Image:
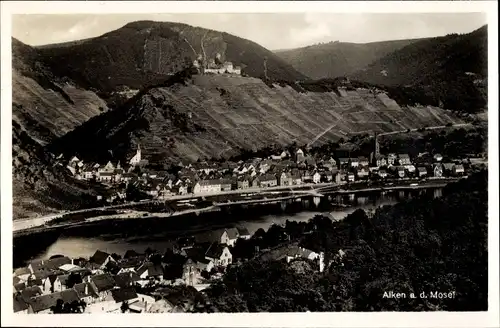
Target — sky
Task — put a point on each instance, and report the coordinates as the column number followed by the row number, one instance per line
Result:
column 273, row 31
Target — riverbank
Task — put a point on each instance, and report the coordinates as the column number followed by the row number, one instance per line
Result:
column 228, row 198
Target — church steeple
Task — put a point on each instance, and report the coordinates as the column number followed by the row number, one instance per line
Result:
column 137, row 157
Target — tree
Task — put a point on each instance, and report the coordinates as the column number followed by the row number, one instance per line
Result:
column 59, row 307
column 73, row 279
column 124, row 307
column 116, row 257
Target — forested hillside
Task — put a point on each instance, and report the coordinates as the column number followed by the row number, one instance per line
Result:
column 334, row 59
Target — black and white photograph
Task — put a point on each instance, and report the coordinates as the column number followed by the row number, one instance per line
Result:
column 193, row 162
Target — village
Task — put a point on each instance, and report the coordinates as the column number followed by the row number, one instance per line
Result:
column 140, row 283
column 280, row 170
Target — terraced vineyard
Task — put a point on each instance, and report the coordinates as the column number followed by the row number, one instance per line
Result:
column 49, row 111
column 212, row 116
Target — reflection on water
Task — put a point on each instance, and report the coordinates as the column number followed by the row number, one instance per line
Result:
column 118, row 236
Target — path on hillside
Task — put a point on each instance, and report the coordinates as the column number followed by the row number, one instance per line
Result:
column 427, row 128
column 392, row 132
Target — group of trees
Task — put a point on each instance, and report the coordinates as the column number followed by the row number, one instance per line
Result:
column 423, row 245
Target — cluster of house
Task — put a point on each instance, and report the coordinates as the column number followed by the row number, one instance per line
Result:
column 39, row 286
column 279, row 170
column 105, row 282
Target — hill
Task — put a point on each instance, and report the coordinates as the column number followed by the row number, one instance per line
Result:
column 334, row 59
column 145, row 53
column 452, row 69
column 193, row 116
column 47, row 106
column 40, row 185
column 44, row 107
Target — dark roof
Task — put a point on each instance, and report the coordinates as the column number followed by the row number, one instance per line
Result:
column 232, row 233
column 243, row 231
column 63, row 279
column 103, row 282
column 20, row 286
column 123, row 294
column 30, row 292
column 209, row 236
column 50, row 264
column 133, row 262
column 99, row 257
column 80, row 290
column 195, row 253
column 126, row 279
column 215, row 251
column 153, row 269
column 45, row 302
column 34, row 282
column 21, row 271
column 131, row 253
column 267, row 177
column 19, row 303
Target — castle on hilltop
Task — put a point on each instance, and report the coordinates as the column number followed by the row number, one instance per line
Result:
column 215, row 66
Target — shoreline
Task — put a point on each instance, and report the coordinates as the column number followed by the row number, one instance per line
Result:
column 323, row 188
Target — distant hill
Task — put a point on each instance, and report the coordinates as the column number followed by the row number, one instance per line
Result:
column 334, row 59
column 145, row 53
column 193, row 116
column 452, row 70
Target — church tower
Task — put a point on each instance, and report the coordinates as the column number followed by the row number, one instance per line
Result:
column 137, row 157
column 377, row 146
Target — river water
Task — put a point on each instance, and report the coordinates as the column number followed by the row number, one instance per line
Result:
column 118, row 236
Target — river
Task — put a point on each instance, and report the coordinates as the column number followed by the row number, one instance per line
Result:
column 118, row 236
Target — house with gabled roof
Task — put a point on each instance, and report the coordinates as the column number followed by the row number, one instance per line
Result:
column 448, row 168
column 421, row 171
column 363, row 161
column 268, row 180
column 44, row 303
column 391, row 159
column 219, row 254
column 121, row 295
column 102, row 284
column 404, row 159
column 285, row 179
column 86, row 292
column 127, row 279
column 243, row 233
column 438, row 170
column 20, row 305
column 150, row 270
column 100, row 259
column 231, row 236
